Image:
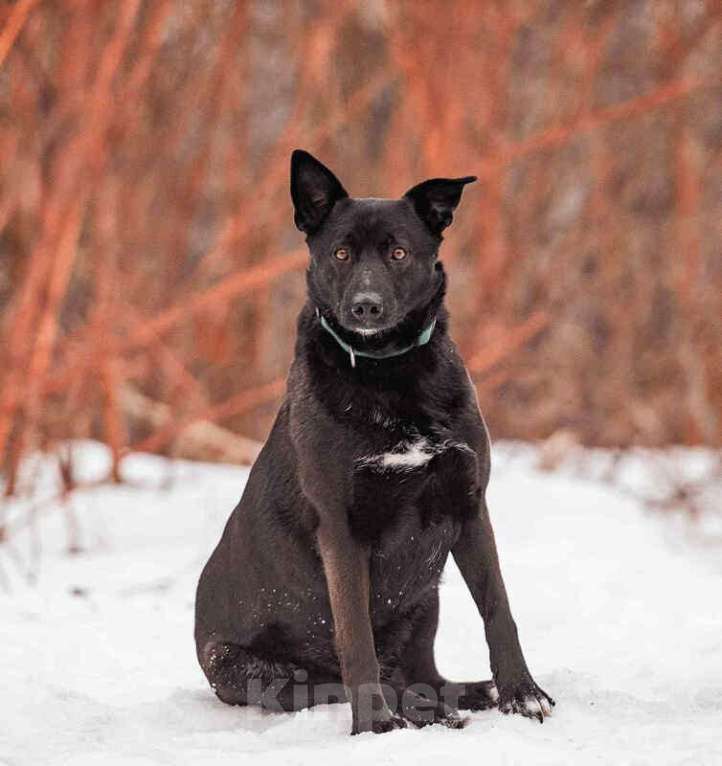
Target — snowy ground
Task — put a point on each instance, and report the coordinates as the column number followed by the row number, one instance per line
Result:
column 619, row 612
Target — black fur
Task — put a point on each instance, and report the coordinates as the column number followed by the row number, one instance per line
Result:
column 374, row 471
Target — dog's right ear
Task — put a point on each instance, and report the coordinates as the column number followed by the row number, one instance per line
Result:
column 435, row 200
column 314, row 191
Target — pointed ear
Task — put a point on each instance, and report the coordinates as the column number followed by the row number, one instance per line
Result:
column 314, row 191
column 435, row 200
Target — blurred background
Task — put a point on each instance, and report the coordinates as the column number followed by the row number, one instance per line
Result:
column 150, row 279
column 150, row 273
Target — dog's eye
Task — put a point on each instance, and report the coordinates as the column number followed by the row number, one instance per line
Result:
column 341, row 254
column 398, row 253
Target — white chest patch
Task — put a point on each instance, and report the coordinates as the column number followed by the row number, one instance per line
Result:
column 410, row 454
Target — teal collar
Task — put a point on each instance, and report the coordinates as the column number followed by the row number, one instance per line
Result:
column 422, row 340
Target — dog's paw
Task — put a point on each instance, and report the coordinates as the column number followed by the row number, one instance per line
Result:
column 423, row 712
column 527, row 699
column 380, row 724
column 388, row 724
column 481, row 695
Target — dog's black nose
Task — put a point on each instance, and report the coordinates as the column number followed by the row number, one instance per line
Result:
column 367, row 306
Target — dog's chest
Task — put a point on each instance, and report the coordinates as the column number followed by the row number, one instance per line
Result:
column 404, row 456
column 407, row 562
column 401, row 483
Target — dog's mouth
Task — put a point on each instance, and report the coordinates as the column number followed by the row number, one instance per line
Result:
column 368, row 338
column 368, row 327
column 384, row 340
column 369, row 333
column 372, row 335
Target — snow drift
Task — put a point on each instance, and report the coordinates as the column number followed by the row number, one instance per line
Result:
column 619, row 611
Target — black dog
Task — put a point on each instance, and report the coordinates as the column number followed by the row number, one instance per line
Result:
column 324, row 585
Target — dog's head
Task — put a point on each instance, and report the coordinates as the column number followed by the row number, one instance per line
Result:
column 373, row 261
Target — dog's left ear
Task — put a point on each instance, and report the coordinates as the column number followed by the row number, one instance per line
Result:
column 314, row 191
column 435, row 200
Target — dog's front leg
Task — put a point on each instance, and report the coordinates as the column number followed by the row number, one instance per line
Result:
column 346, row 565
column 475, row 553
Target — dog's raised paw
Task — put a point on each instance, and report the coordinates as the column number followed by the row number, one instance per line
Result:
column 527, row 699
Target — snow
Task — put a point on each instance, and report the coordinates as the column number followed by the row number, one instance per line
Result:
column 619, row 613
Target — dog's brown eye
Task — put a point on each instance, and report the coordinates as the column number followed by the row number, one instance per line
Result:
column 398, row 253
column 341, row 254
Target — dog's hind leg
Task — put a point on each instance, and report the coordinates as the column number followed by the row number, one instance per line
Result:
column 240, row 677
column 419, row 668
